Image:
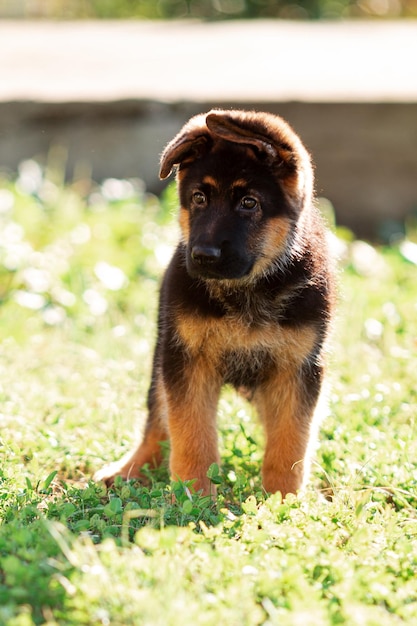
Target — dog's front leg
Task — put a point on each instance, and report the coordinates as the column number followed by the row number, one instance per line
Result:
column 286, row 404
column 192, row 407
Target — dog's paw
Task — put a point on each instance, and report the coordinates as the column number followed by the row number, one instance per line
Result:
column 108, row 473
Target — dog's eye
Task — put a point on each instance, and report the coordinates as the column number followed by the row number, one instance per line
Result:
column 199, row 198
column 248, row 203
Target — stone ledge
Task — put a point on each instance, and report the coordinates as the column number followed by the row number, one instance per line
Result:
column 265, row 60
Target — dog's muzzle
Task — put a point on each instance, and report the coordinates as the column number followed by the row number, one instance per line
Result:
column 211, row 261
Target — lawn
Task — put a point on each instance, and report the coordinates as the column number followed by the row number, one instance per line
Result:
column 79, row 271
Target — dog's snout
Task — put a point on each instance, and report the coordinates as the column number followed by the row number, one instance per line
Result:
column 205, row 254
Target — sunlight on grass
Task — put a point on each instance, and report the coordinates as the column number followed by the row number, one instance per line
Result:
column 79, row 272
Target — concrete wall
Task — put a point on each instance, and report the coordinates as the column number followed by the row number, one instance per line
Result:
column 365, row 153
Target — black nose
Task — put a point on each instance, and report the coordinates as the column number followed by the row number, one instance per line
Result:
column 205, row 255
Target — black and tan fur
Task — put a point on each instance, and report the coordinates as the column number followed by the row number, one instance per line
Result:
column 246, row 300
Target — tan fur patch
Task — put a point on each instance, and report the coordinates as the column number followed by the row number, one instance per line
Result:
column 274, row 245
column 241, row 182
column 184, row 222
column 213, row 337
column 209, row 180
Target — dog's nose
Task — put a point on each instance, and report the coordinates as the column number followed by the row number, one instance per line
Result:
column 205, row 255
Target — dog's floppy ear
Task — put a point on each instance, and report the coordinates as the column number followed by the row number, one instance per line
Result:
column 249, row 130
column 191, row 142
column 275, row 141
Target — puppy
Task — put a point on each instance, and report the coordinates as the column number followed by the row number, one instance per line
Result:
column 247, row 299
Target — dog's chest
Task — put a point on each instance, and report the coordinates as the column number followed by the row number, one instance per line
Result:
column 246, row 368
column 234, row 344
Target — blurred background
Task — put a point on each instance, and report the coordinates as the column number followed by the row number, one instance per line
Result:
column 100, row 86
column 208, row 9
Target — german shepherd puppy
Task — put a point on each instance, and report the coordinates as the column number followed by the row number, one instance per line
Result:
column 246, row 300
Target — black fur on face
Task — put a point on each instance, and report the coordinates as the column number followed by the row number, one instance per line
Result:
column 225, row 208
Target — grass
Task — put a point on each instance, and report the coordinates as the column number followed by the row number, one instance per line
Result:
column 79, row 272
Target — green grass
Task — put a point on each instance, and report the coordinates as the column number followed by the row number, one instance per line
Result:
column 79, row 272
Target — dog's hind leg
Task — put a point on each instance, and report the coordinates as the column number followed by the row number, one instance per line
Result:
column 149, row 451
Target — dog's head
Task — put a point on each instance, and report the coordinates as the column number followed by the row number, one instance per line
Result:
column 244, row 181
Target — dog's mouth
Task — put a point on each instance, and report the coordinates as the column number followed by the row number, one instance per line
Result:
column 213, row 262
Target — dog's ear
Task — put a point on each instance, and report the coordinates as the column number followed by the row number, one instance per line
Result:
column 190, row 143
column 252, row 130
column 275, row 141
